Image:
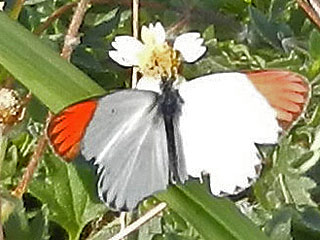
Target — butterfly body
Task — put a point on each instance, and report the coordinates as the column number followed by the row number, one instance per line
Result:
column 170, row 104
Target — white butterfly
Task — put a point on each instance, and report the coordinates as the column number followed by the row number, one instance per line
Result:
column 169, row 129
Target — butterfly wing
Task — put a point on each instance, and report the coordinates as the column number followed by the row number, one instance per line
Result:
column 286, row 92
column 223, row 117
column 66, row 129
column 126, row 139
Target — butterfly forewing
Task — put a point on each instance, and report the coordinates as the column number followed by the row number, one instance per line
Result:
column 126, row 139
column 66, row 129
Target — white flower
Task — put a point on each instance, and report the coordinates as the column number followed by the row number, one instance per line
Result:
column 153, row 55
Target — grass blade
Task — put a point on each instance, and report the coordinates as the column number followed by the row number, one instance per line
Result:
column 213, row 218
column 53, row 80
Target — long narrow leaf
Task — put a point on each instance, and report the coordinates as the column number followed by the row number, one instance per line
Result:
column 53, row 80
column 213, row 218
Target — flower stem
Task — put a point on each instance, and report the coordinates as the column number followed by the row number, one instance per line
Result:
column 135, row 32
column 71, row 39
column 137, row 224
column 311, row 8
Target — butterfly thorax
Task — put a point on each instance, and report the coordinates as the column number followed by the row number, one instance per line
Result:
column 170, row 101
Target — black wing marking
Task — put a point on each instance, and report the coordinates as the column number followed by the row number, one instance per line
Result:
column 127, row 140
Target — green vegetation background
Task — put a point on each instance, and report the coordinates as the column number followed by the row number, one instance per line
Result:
column 61, row 201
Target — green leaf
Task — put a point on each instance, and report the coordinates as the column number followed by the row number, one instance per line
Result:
column 314, row 50
column 96, row 19
column 299, row 188
column 314, row 47
column 8, row 205
column 150, row 229
column 209, row 33
column 69, row 193
column 213, row 218
column 284, row 183
column 271, row 32
column 53, row 80
column 233, row 6
column 289, row 223
column 175, row 227
column 3, row 148
column 21, row 226
column 279, row 227
column 277, row 9
column 307, row 225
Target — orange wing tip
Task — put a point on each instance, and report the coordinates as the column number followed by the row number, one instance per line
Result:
column 287, row 92
column 66, row 129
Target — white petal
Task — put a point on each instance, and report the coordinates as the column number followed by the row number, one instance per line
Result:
column 126, row 50
column 190, row 46
column 160, row 33
column 119, row 58
column 153, row 34
column 146, row 35
column 127, row 42
column 190, row 36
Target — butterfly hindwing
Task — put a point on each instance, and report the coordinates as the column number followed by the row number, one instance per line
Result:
column 226, row 114
column 222, row 118
column 126, row 139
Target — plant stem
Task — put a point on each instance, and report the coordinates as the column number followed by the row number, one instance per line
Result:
column 32, row 166
column 55, row 15
column 3, row 147
column 311, row 8
column 135, row 32
column 142, row 220
column 71, row 39
column 16, row 9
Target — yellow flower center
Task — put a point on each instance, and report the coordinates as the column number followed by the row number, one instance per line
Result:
column 159, row 60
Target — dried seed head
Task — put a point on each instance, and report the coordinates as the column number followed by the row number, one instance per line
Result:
column 11, row 110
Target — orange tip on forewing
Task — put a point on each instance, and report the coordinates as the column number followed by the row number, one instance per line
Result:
column 286, row 92
column 66, row 129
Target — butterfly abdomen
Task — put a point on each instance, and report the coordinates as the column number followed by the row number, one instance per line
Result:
column 169, row 105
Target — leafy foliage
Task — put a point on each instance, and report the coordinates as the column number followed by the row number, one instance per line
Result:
column 68, row 194
column 240, row 35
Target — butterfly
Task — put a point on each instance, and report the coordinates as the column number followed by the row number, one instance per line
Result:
column 169, row 129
